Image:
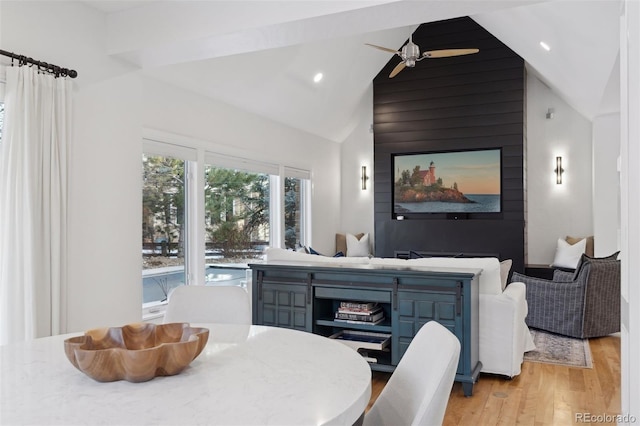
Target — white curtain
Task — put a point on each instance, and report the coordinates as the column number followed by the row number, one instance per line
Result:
column 33, row 204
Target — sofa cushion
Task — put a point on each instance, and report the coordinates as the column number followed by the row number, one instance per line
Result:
column 388, row 262
column 490, row 281
column 273, row 254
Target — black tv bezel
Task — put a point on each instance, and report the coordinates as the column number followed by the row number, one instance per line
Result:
column 446, row 215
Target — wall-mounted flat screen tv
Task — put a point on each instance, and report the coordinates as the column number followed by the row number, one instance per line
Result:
column 447, row 182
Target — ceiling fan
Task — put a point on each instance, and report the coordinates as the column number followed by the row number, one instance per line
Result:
column 410, row 54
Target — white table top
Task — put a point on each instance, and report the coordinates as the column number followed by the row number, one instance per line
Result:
column 246, row 375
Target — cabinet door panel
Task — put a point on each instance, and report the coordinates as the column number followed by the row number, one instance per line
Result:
column 446, row 311
column 416, row 309
column 284, row 305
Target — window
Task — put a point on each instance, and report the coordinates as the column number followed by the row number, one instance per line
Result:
column 236, row 207
column 206, row 215
column 164, row 227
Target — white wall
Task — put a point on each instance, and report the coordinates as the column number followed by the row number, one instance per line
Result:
column 555, row 211
column 357, row 151
column 606, row 184
column 112, row 105
column 606, row 175
column 105, row 206
column 226, row 128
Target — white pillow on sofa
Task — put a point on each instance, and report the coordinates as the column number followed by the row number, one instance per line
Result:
column 505, row 268
column 568, row 255
column 357, row 247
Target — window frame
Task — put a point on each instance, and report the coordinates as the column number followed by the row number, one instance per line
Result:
column 305, row 203
column 155, row 309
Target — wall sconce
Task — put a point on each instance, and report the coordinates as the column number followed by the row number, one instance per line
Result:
column 559, row 170
column 364, row 177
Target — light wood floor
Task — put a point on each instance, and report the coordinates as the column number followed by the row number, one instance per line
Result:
column 543, row 394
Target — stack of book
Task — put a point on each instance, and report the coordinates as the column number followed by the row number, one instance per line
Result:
column 359, row 313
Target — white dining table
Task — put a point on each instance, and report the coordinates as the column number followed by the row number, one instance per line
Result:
column 246, row 375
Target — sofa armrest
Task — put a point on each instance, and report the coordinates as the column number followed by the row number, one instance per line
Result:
column 504, row 336
column 556, row 306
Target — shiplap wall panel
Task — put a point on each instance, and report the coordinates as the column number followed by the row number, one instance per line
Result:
column 466, row 102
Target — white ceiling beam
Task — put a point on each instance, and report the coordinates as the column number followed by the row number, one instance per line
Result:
column 179, row 32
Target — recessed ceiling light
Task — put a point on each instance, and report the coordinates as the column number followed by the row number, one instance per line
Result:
column 545, row 46
column 317, row 77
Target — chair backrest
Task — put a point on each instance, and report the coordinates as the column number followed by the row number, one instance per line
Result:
column 602, row 308
column 209, row 304
column 418, row 391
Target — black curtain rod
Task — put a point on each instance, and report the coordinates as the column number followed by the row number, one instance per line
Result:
column 54, row 69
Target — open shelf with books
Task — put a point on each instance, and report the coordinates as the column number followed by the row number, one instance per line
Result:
column 358, row 315
column 358, row 318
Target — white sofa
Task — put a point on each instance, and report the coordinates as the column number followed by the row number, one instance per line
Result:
column 504, row 336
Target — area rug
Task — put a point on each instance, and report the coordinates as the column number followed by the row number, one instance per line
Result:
column 560, row 350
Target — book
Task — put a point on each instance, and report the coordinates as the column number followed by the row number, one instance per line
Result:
column 358, row 306
column 356, row 316
column 378, row 321
column 363, row 339
column 360, row 311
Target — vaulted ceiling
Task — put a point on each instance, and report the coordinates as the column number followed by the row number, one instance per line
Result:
column 261, row 56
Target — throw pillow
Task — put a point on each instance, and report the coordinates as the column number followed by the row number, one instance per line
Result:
column 567, row 255
column 588, row 250
column 357, row 247
column 312, row 251
column 415, row 255
column 341, row 242
column 505, row 268
column 584, row 258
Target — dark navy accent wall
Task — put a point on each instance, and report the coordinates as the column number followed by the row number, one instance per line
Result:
column 467, row 102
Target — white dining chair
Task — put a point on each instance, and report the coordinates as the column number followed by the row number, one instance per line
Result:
column 418, row 391
column 208, row 304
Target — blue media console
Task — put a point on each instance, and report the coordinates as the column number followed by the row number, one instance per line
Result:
column 306, row 297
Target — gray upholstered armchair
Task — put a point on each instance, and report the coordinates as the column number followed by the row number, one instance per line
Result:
column 582, row 304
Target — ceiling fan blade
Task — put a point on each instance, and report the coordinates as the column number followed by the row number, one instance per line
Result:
column 386, row 49
column 446, row 53
column 397, row 69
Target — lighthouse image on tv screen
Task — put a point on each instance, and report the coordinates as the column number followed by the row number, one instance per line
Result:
column 447, row 182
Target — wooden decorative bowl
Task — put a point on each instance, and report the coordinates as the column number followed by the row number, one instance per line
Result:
column 136, row 352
